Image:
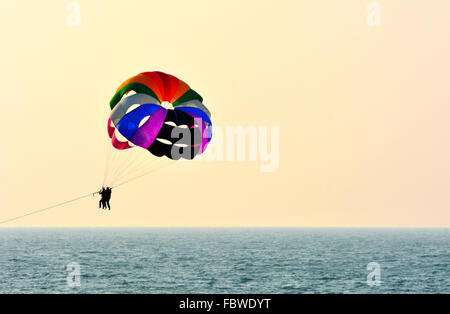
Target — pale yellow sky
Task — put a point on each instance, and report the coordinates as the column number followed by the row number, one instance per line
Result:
column 363, row 112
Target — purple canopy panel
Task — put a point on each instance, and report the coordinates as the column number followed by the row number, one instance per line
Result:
column 147, row 133
column 202, row 127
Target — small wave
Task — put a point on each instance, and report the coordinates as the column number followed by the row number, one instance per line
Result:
column 245, row 279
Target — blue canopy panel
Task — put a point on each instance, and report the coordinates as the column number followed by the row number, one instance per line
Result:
column 129, row 123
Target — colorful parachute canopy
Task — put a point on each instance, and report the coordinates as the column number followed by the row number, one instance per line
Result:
column 160, row 113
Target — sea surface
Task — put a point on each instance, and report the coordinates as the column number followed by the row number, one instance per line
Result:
column 224, row 260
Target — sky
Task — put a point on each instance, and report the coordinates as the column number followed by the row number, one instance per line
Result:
column 360, row 99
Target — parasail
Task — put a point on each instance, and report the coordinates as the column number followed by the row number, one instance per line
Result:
column 150, row 109
column 160, row 114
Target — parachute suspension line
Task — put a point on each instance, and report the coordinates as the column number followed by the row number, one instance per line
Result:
column 131, row 176
column 126, row 163
column 132, row 164
column 134, row 178
column 142, row 175
column 119, row 163
column 137, row 166
column 46, row 208
column 127, row 160
column 115, row 165
column 112, row 167
column 110, row 156
column 142, row 167
column 107, row 161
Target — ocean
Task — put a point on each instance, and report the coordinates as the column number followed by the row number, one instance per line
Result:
column 224, row 260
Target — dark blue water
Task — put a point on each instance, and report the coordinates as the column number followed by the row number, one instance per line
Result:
column 224, row 260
